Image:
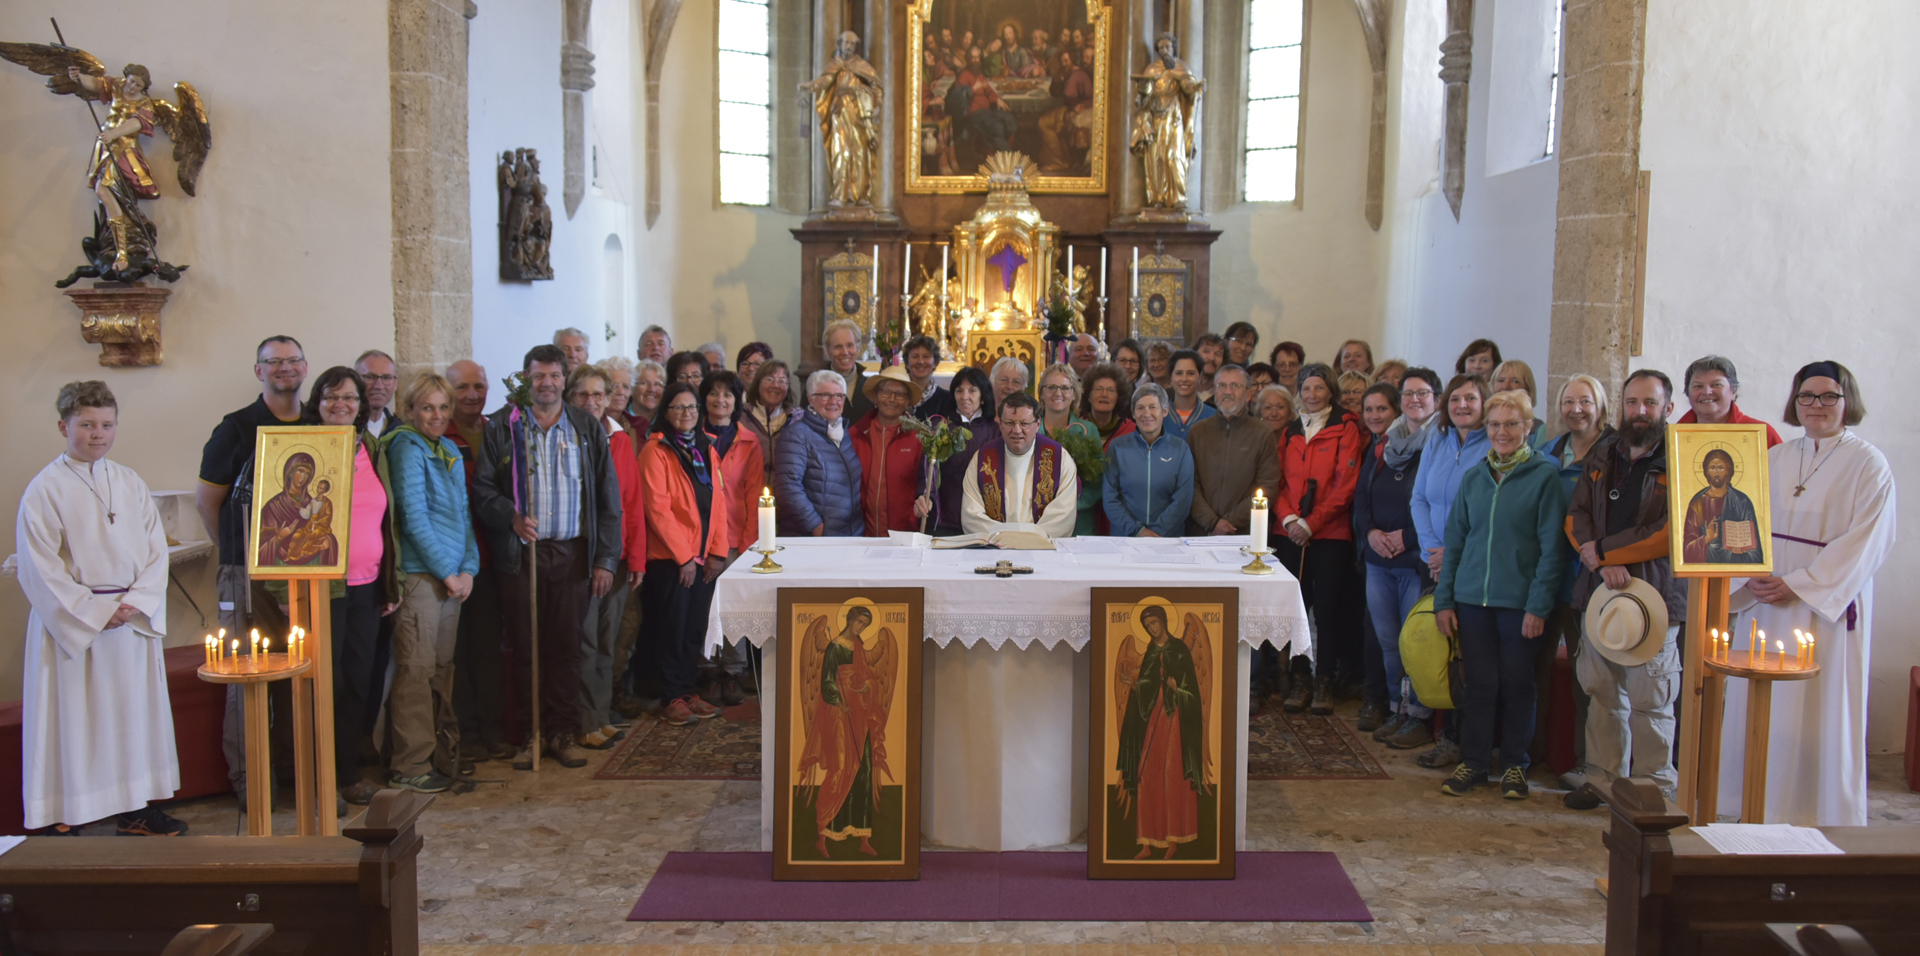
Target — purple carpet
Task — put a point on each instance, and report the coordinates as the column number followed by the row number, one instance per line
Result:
column 733, row 887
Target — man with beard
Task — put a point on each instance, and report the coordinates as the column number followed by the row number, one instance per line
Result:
column 1720, row 526
column 1617, row 519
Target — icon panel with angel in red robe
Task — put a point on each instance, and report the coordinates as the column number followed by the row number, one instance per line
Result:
column 847, row 694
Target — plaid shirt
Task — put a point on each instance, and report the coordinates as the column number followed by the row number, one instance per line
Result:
column 555, row 480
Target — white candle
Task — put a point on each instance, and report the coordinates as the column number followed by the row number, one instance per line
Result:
column 766, row 519
column 1070, row 268
column 873, row 289
column 1134, row 289
column 943, row 269
column 1259, row 521
column 1103, row 272
column 906, row 269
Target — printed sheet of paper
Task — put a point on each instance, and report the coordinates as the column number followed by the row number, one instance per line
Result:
column 1766, row 838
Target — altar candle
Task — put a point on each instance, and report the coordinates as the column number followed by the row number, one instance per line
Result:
column 1134, row 289
column 1103, row 272
column 1259, row 521
column 906, row 270
column 1070, row 268
column 766, row 518
column 943, row 270
column 873, row 289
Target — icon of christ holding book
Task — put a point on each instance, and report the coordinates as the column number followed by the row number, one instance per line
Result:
column 1720, row 525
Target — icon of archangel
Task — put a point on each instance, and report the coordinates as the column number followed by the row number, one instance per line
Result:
column 123, row 245
column 1162, row 695
column 847, row 689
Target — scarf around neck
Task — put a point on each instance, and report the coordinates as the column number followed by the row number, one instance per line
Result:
column 688, row 446
column 1405, row 439
column 1502, row 464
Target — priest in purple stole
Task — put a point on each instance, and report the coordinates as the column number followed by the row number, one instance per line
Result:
column 1023, row 480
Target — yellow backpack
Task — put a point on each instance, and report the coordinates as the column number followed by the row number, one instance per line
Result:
column 1427, row 656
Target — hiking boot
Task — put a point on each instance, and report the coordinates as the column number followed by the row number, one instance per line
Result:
column 679, row 714
column 429, row 782
column 701, row 709
column 1513, row 783
column 1585, row 798
column 1373, row 715
column 1575, row 778
column 1443, row 753
column 1465, row 780
column 731, row 693
column 524, row 759
column 1296, row 700
column 564, row 750
column 1322, row 697
column 1412, row 734
column 361, row 793
column 474, row 750
column 710, row 692
column 1391, row 727
column 150, row 821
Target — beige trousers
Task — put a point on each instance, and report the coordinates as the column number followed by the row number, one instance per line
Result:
column 426, row 732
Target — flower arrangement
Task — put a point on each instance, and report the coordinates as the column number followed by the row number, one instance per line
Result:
column 940, row 440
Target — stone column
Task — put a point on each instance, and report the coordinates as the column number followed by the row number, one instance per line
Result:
column 576, row 78
column 1598, row 211
column 432, row 227
column 1136, row 44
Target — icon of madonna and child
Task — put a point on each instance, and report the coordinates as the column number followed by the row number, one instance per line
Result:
column 296, row 524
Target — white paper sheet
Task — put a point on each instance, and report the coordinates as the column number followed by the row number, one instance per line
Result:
column 910, row 539
column 9, row 842
column 1168, row 557
column 1766, row 838
column 1219, row 541
column 904, row 557
column 1086, row 546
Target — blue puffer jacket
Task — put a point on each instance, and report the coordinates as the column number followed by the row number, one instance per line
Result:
column 428, row 488
column 817, row 482
column 1443, row 462
column 1148, row 487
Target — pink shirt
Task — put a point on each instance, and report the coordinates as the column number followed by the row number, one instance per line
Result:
column 364, row 541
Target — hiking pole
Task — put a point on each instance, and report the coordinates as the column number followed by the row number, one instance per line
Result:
column 533, row 643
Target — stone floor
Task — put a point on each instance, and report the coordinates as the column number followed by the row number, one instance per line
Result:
column 549, row 864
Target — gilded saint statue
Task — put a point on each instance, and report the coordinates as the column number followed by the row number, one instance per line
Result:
column 1166, row 106
column 846, row 97
column 121, row 248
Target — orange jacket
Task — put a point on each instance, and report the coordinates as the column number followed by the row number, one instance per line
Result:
column 1332, row 462
column 673, row 519
column 741, row 468
column 633, row 512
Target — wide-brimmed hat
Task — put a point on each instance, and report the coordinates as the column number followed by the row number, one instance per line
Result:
column 892, row 373
column 1628, row 626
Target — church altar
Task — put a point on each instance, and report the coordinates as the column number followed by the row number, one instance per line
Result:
column 1004, row 689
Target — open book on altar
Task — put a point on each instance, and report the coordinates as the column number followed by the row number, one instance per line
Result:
column 1004, row 539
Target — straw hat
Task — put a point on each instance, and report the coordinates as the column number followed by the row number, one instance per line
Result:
column 1628, row 626
column 892, row 373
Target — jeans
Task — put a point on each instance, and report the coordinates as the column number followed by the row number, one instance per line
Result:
column 1391, row 595
column 356, row 685
column 598, row 639
column 426, row 734
column 1500, row 689
column 1632, row 715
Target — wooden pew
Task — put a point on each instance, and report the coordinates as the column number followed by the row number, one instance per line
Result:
column 350, row 894
column 1670, row 893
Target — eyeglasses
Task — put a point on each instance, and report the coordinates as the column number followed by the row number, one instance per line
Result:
column 1057, row 389
column 683, row 409
column 340, row 399
column 1407, row 393
column 829, row 396
column 1505, row 426
column 380, row 378
column 1828, row 399
column 1578, row 403
column 282, row 362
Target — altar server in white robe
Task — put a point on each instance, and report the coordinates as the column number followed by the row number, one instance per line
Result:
column 1833, row 524
column 1021, row 481
column 97, row 732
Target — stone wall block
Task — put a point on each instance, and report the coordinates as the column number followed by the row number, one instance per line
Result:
column 1601, row 110
column 1586, row 265
column 1597, row 183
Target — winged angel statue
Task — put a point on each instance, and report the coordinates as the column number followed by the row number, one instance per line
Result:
column 1162, row 696
column 846, row 692
column 122, row 246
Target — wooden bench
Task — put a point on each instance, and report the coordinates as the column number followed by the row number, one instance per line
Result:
column 1670, row 893
column 350, row 894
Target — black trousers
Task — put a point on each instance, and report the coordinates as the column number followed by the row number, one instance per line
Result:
column 565, row 579
column 1335, row 596
column 358, row 676
column 666, row 659
column 477, row 663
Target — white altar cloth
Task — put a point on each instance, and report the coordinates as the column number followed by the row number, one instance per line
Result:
column 1004, row 729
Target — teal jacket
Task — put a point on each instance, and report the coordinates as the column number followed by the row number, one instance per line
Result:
column 1503, row 539
column 428, row 487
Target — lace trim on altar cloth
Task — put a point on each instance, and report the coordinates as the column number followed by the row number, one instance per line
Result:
column 996, row 631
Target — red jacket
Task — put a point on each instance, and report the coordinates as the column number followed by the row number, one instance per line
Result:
column 1737, row 417
column 1332, row 462
column 904, row 464
column 742, row 467
column 673, row 518
column 633, row 511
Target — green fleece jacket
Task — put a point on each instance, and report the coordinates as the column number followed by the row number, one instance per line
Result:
column 1503, row 539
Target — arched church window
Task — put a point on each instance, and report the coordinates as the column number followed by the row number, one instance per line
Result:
column 1275, row 35
column 745, row 84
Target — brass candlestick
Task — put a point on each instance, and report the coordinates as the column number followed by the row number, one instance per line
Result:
column 766, row 565
column 1257, row 566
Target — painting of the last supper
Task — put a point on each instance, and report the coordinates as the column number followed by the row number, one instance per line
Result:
column 1025, row 75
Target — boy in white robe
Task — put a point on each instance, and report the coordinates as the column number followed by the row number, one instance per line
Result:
column 97, row 730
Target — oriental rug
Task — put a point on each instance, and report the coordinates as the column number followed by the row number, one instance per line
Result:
column 1026, row 885
column 1283, row 746
column 723, row 748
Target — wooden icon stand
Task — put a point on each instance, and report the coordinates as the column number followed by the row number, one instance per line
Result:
column 1701, row 697
column 1760, row 678
column 254, row 672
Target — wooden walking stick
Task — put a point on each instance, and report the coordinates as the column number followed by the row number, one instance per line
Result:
column 533, row 642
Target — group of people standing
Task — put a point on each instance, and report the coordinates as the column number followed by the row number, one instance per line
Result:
column 612, row 495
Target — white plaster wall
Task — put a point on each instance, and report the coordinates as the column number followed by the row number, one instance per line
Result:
column 1782, row 227
column 708, row 271
column 1490, row 274
column 1311, row 272
column 515, row 100
column 291, row 232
